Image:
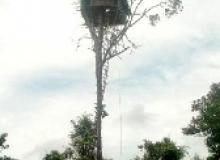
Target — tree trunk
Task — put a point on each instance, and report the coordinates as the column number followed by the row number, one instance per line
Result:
column 99, row 107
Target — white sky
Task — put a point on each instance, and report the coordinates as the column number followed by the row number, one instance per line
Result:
column 45, row 82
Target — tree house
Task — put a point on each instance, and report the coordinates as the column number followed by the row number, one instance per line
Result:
column 113, row 12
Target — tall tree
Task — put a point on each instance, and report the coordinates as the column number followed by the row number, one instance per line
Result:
column 108, row 23
column 207, row 121
column 163, row 150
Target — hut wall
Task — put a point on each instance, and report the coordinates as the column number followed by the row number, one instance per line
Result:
column 117, row 13
column 104, row 3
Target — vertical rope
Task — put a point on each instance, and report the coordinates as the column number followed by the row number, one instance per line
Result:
column 121, row 125
column 120, row 115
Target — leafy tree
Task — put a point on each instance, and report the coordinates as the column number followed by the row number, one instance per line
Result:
column 54, row 155
column 4, row 146
column 83, row 142
column 207, row 121
column 164, row 150
column 83, row 138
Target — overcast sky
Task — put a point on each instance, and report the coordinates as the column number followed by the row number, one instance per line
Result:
column 45, row 82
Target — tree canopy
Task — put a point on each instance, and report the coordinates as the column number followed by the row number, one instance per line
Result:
column 54, row 155
column 163, row 150
column 207, row 121
column 83, row 138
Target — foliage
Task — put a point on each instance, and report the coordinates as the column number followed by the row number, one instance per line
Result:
column 54, row 155
column 83, row 138
column 164, row 150
column 2, row 141
column 4, row 146
column 83, row 142
column 207, row 121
